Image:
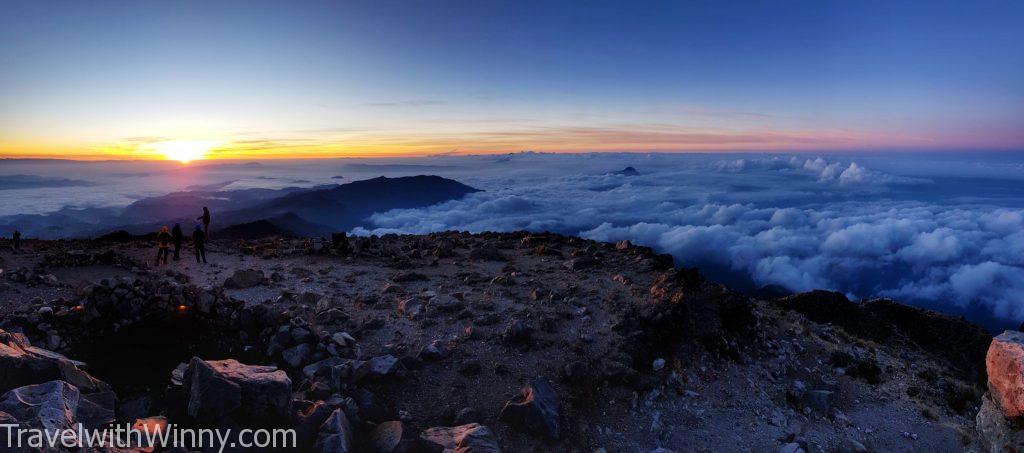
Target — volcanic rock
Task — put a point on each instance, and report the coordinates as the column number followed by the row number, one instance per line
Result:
column 471, row 438
column 392, row 437
column 51, row 406
column 296, row 355
column 244, row 278
column 536, row 410
column 23, row 364
column 221, row 388
column 997, row 433
column 335, row 434
column 1005, row 365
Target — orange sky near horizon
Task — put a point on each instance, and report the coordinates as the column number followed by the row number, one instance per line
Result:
column 556, row 139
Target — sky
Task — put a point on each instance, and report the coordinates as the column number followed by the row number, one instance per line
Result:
column 252, row 79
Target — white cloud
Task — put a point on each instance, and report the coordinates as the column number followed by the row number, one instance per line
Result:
column 802, row 223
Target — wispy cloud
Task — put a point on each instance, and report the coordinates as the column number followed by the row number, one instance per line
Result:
column 406, row 103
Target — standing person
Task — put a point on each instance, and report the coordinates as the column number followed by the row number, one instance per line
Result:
column 206, row 221
column 163, row 242
column 199, row 241
column 176, row 238
column 16, row 239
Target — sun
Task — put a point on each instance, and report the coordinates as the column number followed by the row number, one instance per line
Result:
column 183, row 151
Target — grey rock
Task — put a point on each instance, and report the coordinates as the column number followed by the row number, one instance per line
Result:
column 536, row 410
column 996, row 433
column 220, row 388
column 392, row 437
column 471, row 438
column 296, row 356
column 51, row 406
column 335, row 434
column 244, row 278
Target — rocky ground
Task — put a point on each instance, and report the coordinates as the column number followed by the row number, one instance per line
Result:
column 514, row 342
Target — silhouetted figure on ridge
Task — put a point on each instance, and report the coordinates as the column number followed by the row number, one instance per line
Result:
column 176, row 238
column 206, row 220
column 16, row 240
column 199, row 241
column 163, row 242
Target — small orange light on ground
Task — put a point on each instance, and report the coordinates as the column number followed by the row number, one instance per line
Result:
column 78, row 308
column 182, row 308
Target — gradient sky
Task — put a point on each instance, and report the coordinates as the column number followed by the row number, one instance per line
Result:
column 291, row 78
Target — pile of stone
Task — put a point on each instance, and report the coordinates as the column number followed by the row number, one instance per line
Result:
column 81, row 258
column 32, row 277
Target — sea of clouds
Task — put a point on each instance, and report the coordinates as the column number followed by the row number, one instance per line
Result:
column 942, row 230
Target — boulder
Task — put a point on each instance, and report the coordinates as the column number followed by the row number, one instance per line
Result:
column 96, row 410
column 335, row 434
column 50, row 406
column 536, row 410
column 1005, row 365
column 22, row 364
column 392, row 437
column 244, row 278
column 296, row 356
column 996, row 432
column 310, row 415
column 370, row 408
column 471, row 438
column 226, row 388
column 377, row 368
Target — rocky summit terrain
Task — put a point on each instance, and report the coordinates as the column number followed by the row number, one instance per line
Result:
column 511, row 342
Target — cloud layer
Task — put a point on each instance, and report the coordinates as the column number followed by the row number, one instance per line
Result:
column 941, row 230
column 794, row 221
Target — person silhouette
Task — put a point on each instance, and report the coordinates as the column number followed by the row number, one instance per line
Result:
column 206, row 221
column 199, row 241
column 176, row 238
column 163, row 242
column 16, row 240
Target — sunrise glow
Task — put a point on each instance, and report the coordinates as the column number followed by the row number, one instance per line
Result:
column 183, row 151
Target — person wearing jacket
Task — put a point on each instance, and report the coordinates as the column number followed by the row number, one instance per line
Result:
column 199, row 241
column 176, row 238
column 163, row 242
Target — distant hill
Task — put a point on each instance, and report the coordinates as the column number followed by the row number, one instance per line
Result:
column 292, row 210
column 253, row 230
column 349, row 205
column 628, row 171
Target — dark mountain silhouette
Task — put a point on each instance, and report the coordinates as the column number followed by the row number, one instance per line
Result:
column 8, row 182
column 189, row 204
column 300, row 211
column 255, row 230
column 628, row 171
column 347, row 206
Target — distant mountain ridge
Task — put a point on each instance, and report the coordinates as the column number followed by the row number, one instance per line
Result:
column 252, row 212
column 348, row 205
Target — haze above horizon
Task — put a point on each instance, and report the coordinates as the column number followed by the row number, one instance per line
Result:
column 189, row 80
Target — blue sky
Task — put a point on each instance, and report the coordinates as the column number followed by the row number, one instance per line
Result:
column 329, row 78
